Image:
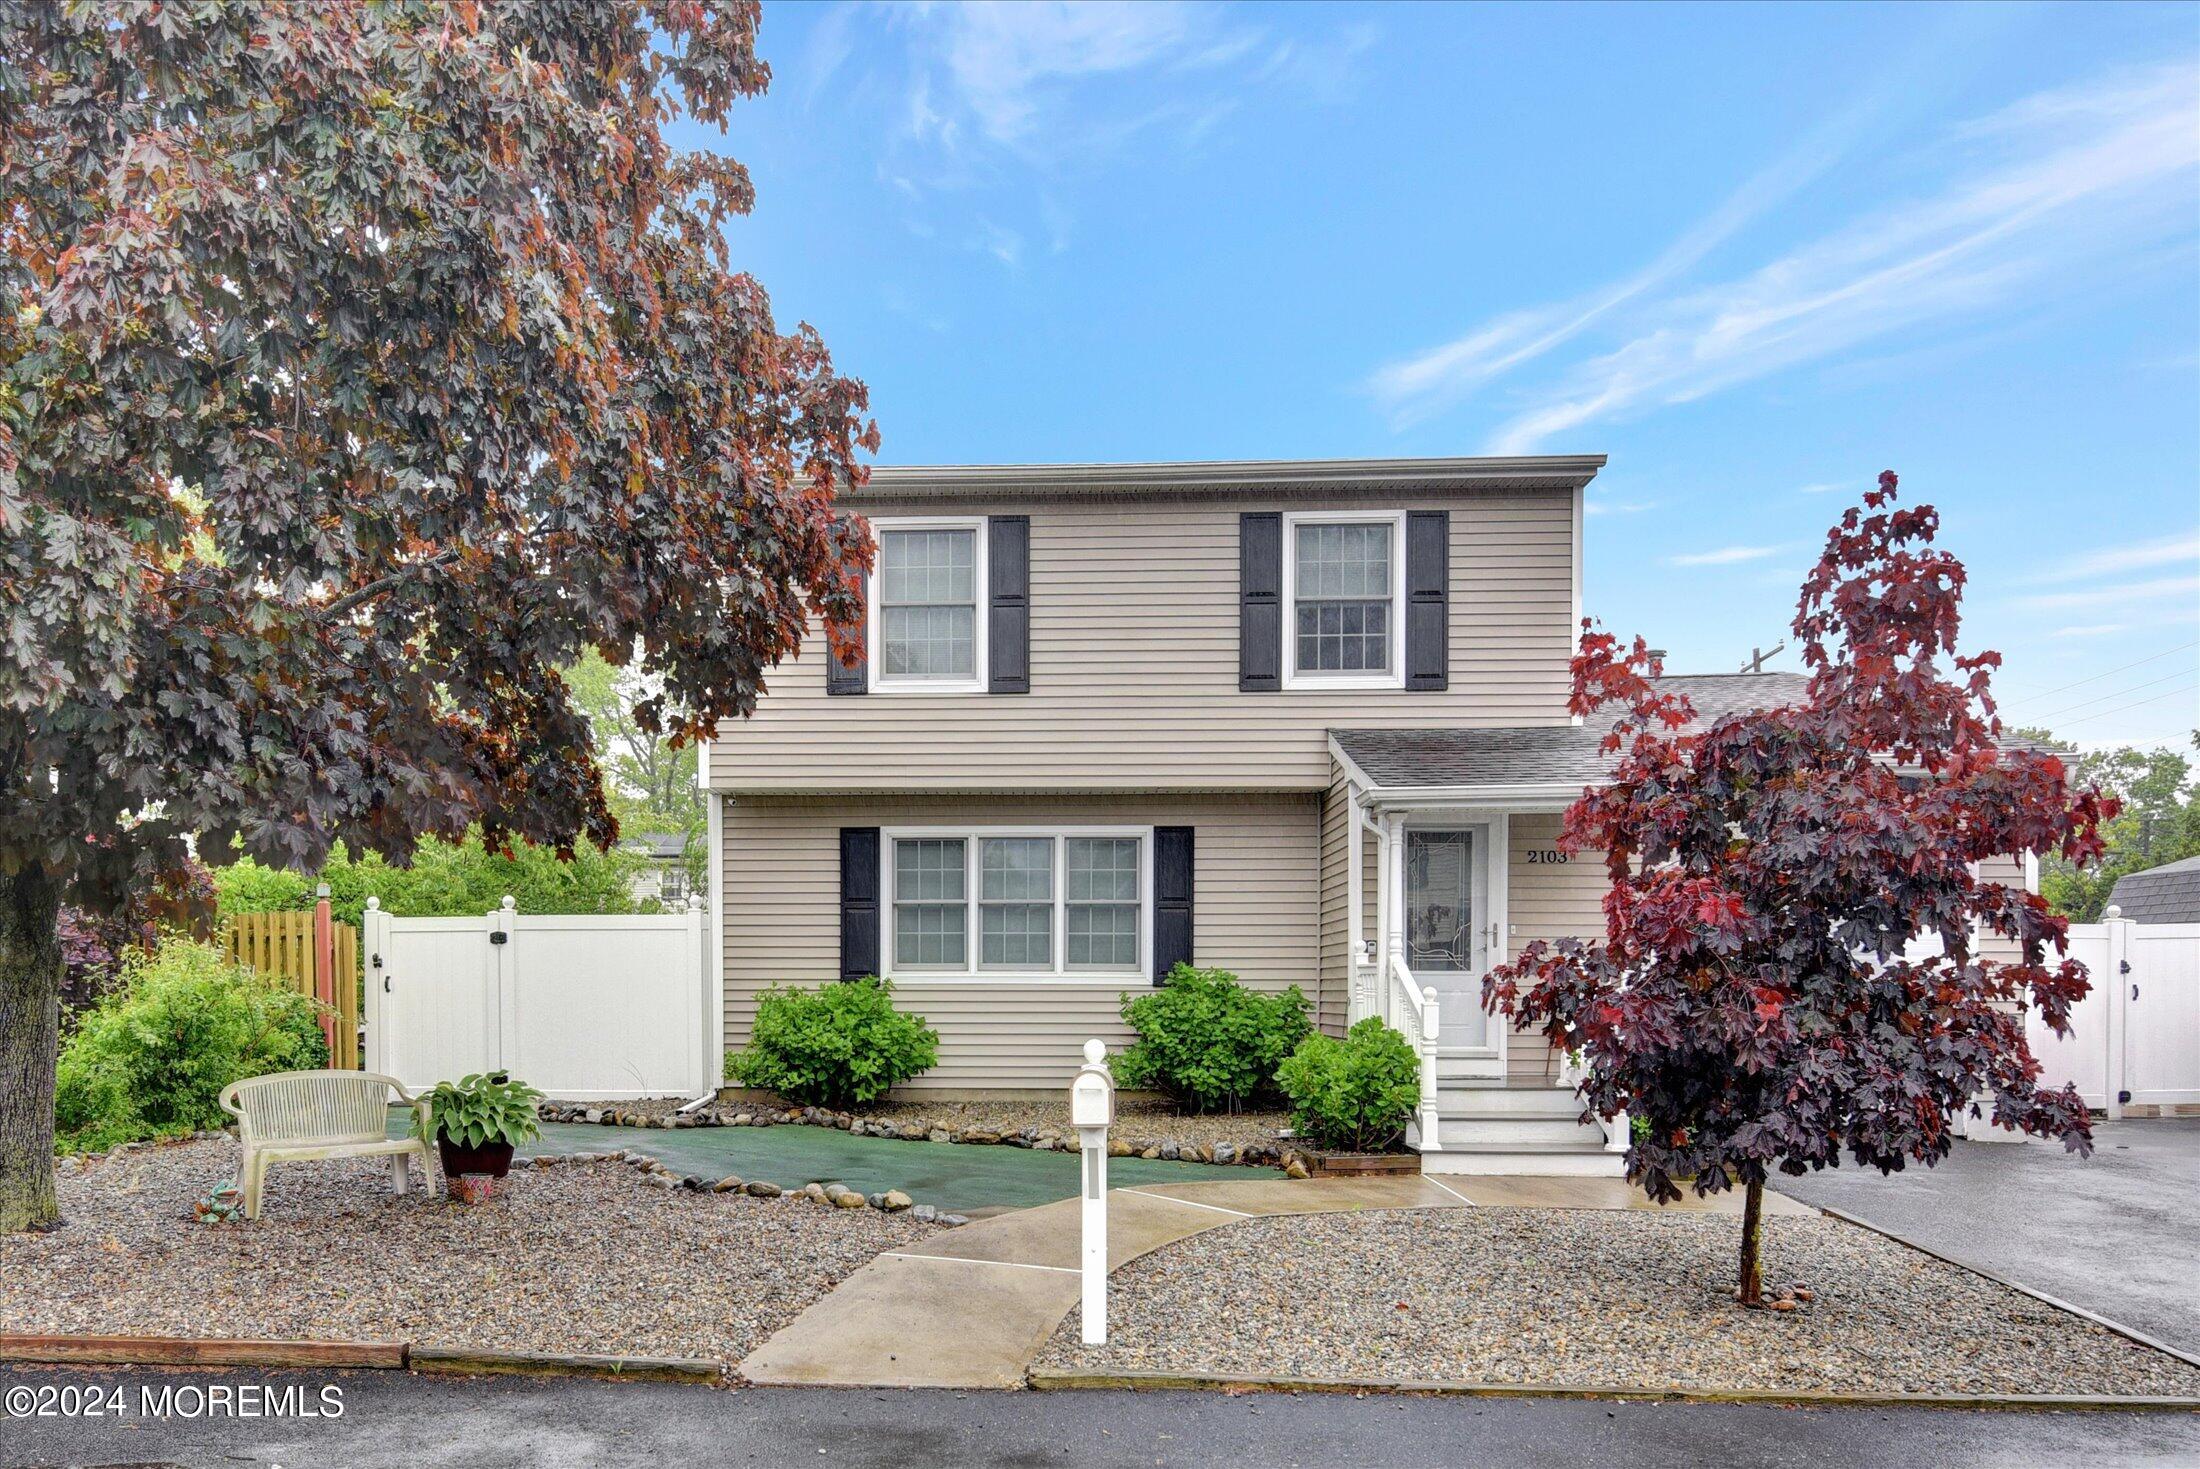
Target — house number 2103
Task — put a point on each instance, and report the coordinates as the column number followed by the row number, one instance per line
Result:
column 1548, row 859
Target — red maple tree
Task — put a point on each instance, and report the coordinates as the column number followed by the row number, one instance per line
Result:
column 1793, row 965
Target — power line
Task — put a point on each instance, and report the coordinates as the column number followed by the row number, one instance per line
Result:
column 2158, row 698
column 2097, row 677
column 2117, row 694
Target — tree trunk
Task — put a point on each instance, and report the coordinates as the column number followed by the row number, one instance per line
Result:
column 1753, row 1238
column 30, row 1033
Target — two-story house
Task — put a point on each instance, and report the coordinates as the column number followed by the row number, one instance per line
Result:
column 1302, row 721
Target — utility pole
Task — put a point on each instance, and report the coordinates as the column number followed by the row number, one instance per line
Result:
column 1757, row 657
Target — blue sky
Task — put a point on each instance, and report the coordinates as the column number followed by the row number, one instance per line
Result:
column 1755, row 254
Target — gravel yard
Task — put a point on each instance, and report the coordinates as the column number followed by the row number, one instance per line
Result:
column 1596, row 1298
column 582, row 1257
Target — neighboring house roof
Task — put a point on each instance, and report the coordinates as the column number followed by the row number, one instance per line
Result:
column 1550, row 754
column 2166, row 894
column 658, row 846
column 1529, row 471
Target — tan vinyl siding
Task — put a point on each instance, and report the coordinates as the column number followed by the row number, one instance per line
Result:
column 1134, row 663
column 1546, row 902
column 1334, row 1004
column 1256, row 911
column 2009, row 872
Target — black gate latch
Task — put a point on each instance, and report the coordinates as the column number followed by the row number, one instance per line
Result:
column 498, row 936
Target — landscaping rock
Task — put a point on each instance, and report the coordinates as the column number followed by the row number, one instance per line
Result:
column 893, row 1201
column 951, row 1220
column 1295, row 1167
column 849, row 1199
column 938, row 1135
column 1117, row 1148
column 1220, row 1153
column 759, row 1189
column 924, row 1213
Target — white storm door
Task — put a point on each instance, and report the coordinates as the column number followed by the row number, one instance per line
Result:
column 1447, row 946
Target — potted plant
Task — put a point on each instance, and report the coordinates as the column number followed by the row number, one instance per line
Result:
column 1351, row 1099
column 478, row 1120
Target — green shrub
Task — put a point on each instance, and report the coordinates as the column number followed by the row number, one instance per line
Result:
column 151, row 1059
column 1355, row 1095
column 482, row 1109
column 1208, row 1042
column 840, row 1045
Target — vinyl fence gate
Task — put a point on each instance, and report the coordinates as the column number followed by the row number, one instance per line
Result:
column 585, row 1007
column 2135, row 1038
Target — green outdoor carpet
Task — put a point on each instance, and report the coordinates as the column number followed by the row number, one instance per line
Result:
column 957, row 1178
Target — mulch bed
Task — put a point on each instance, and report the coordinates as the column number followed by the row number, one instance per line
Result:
column 576, row 1258
column 1594, row 1298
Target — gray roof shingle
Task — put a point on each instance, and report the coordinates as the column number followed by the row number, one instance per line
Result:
column 2166, row 894
column 1395, row 758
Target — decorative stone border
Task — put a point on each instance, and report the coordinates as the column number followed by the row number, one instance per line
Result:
column 836, row 1195
column 723, row 1114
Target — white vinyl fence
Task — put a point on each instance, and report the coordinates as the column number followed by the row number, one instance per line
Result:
column 2135, row 1039
column 589, row 1008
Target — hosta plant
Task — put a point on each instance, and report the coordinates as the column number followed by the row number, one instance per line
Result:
column 478, row 1110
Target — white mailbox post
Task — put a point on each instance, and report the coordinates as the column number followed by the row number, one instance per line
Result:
column 1092, row 1111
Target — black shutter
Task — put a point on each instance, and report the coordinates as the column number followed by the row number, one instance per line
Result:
column 859, row 922
column 1260, row 601
column 1008, row 626
column 1172, row 899
column 1428, row 612
column 839, row 677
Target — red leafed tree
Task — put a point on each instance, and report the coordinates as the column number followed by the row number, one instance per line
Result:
column 1792, row 964
column 363, row 364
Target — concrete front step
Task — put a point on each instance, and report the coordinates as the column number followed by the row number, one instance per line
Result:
column 1516, row 1129
column 1564, row 1163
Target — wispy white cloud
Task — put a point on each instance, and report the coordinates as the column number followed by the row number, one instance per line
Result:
column 1724, row 556
column 1618, row 507
column 2175, row 593
column 2178, row 550
column 2088, row 630
column 1830, row 487
column 2086, row 173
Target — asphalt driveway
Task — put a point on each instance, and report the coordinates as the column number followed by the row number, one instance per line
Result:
column 2117, row 1233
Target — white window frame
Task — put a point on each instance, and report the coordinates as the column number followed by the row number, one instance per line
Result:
column 1395, row 676
column 874, row 619
column 970, row 972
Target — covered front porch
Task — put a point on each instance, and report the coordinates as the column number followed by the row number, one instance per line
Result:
column 1444, row 880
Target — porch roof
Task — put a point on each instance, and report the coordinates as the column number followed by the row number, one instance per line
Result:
column 1515, row 756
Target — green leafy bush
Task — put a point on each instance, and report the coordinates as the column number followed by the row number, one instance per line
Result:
column 445, row 880
column 151, row 1058
column 482, row 1109
column 840, row 1045
column 1208, row 1042
column 1355, row 1095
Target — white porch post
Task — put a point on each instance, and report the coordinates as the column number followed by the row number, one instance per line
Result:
column 1383, row 949
column 1358, row 999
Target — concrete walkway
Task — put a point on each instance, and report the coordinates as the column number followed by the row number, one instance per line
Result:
column 971, row 1307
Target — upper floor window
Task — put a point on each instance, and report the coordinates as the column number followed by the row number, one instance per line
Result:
column 926, row 590
column 1344, row 594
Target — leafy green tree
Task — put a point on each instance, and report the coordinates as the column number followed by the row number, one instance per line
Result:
column 361, row 366
column 2159, row 822
column 445, row 880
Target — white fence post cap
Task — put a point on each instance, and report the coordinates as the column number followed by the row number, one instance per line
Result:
column 2115, row 911
column 510, row 901
column 374, row 902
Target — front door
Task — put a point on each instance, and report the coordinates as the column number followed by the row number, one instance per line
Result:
column 1447, row 942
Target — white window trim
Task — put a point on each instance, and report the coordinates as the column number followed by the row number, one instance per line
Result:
column 1395, row 677
column 874, row 620
column 970, row 973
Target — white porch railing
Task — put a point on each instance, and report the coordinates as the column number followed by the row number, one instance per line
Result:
column 1413, row 1011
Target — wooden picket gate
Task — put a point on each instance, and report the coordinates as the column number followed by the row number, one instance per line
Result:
column 281, row 945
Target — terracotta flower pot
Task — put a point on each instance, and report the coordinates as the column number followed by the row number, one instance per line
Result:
column 492, row 1159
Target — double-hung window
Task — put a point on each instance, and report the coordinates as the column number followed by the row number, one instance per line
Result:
column 1345, row 592
column 927, row 586
column 1027, row 904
